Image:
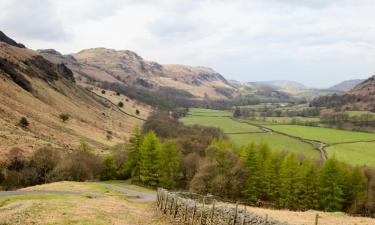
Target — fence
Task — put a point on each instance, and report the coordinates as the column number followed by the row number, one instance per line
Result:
column 192, row 210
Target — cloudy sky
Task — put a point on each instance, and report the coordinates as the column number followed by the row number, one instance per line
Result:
column 316, row 42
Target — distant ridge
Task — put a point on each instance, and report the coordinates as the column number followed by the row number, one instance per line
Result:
column 346, row 85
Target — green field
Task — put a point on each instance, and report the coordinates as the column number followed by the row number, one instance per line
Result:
column 357, row 153
column 225, row 123
column 221, row 120
column 282, row 120
column 326, row 135
column 359, row 113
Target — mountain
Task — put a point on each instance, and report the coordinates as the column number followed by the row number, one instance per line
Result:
column 128, row 68
column 346, row 85
column 280, row 84
column 40, row 90
column 361, row 97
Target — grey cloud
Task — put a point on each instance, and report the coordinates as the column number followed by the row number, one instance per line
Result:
column 31, row 19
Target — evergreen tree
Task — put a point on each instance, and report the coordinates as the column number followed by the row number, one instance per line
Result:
column 308, row 190
column 169, row 164
column 254, row 163
column 331, row 186
column 149, row 159
column 271, row 176
column 133, row 148
column 357, row 184
column 289, row 182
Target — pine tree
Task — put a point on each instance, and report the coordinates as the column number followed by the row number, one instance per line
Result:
column 331, row 186
column 357, row 184
column 289, row 182
column 253, row 161
column 149, row 159
column 133, row 148
column 169, row 164
column 308, row 190
column 271, row 176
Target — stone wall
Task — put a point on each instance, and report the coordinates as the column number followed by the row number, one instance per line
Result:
column 206, row 211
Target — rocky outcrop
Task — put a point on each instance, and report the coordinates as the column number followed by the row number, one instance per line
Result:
column 9, row 41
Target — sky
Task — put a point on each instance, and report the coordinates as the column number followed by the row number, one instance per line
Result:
column 316, row 42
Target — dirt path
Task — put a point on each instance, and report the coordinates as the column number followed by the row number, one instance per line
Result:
column 135, row 196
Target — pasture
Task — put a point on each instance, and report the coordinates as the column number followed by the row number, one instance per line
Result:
column 361, row 153
column 243, row 134
column 325, row 135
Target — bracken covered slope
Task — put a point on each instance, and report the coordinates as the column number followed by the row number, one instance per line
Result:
column 35, row 88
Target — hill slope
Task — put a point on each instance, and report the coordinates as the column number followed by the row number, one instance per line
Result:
column 127, row 67
column 346, row 85
column 35, row 88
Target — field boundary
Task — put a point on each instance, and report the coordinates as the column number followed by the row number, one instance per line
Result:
column 194, row 209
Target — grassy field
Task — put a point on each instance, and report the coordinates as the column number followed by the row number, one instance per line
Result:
column 220, row 119
column 225, row 123
column 326, row 135
column 100, row 206
column 357, row 153
column 283, row 120
column 276, row 142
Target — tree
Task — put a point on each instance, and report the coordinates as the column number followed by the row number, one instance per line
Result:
column 331, row 186
column 137, row 112
column 24, row 123
column 289, row 182
column 103, row 92
column 169, row 164
column 110, row 168
column 64, row 117
column 120, row 104
column 253, row 162
column 308, row 190
column 44, row 160
column 149, row 159
column 272, row 176
column 132, row 165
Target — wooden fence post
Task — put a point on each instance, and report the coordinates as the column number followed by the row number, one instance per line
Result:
column 186, row 212
column 266, row 219
column 202, row 211
column 212, row 212
column 175, row 208
column 235, row 214
column 194, row 211
column 317, row 219
column 166, row 204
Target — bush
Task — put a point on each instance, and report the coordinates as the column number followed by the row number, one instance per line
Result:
column 120, row 104
column 24, row 123
column 103, row 92
column 64, row 117
column 137, row 112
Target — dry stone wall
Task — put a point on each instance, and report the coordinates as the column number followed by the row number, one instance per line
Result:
column 185, row 210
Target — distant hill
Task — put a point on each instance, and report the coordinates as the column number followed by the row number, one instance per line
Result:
column 346, row 85
column 361, row 97
column 127, row 67
column 280, row 84
column 40, row 90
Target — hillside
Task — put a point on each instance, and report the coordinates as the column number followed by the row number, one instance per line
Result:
column 346, row 85
column 280, row 84
column 127, row 67
column 361, row 97
column 35, row 88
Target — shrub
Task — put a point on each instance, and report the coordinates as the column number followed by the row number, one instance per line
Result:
column 137, row 112
column 103, row 92
column 120, row 104
column 64, row 117
column 24, row 123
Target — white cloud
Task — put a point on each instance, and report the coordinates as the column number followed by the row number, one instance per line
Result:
column 319, row 42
